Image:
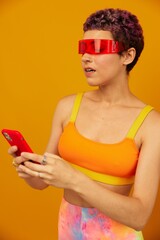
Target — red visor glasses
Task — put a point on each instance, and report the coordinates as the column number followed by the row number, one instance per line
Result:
column 100, row 46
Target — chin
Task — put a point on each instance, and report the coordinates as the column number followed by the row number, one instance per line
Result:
column 92, row 82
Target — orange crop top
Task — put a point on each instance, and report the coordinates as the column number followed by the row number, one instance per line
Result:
column 108, row 163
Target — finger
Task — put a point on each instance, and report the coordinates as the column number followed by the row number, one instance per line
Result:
column 17, row 161
column 32, row 156
column 42, row 160
column 14, row 163
column 37, row 167
column 39, row 158
column 21, row 173
column 24, row 175
column 49, row 158
column 28, row 171
column 45, row 176
column 12, row 151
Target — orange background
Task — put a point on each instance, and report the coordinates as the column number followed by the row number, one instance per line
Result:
column 38, row 65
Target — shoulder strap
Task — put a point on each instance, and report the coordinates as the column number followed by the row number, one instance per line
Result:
column 76, row 106
column 138, row 122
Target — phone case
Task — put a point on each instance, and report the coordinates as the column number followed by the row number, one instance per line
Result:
column 15, row 138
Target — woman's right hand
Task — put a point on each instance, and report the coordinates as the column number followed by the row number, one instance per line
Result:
column 17, row 160
column 35, row 182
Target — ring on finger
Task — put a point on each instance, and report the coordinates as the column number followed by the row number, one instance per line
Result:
column 44, row 161
column 15, row 164
column 39, row 174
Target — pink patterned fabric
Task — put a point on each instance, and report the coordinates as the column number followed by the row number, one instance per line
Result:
column 78, row 223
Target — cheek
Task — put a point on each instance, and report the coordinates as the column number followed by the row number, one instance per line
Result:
column 106, row 62
column 105, row 59
column 103, row 64
column 108, row 68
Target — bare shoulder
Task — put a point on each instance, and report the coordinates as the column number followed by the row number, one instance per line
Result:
column 64, row 108
column 154, row 119
column 66, row 101
column 152, row 125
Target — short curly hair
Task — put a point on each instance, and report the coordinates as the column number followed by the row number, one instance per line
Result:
column 123, row 25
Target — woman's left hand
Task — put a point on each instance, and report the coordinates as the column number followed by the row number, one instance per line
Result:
column 52, row 169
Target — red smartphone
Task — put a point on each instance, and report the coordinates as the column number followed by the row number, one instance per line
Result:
column 15, row 138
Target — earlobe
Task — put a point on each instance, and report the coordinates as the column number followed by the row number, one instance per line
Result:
column 129, row 56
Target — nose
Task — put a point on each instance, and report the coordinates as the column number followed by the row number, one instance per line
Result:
column 86, row 58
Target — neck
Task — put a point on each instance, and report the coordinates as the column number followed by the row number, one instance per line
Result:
column 115, row 94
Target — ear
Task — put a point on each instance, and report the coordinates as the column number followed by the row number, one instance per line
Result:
column 129, row 56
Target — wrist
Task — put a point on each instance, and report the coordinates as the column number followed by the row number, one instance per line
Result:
column 79, row 182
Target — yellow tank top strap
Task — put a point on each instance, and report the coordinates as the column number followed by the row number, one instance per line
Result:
column 104, row 178
column 76, row 106
column 138, row 122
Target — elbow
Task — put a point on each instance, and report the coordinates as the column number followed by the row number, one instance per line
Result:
column 139, row 222
column 139, row 216
column 139, row 227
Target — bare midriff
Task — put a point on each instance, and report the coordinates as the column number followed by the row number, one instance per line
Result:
column 74, row 198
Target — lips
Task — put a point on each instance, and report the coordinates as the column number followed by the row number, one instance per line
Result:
column 88, row 69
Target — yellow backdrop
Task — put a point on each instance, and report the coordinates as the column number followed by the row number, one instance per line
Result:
column 38, row 65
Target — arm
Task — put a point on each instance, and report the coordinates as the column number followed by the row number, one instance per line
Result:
column 60, row 116
column 133, row 210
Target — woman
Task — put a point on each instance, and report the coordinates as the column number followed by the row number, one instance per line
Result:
column 102, row 141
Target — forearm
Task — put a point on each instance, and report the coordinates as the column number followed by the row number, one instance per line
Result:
column 124, row 209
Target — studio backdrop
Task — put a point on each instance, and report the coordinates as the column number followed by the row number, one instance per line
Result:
column 39, row 65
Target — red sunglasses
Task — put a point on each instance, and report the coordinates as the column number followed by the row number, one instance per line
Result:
column 100, row 46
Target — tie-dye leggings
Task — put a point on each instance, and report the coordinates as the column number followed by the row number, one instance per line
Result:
column 78, row 223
